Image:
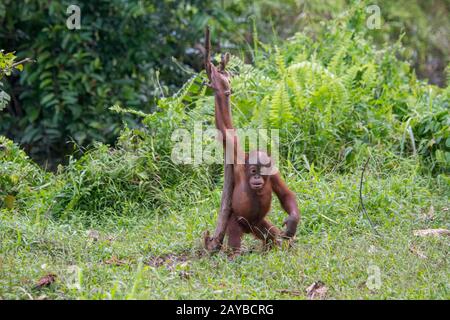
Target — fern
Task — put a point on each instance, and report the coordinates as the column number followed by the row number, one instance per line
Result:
column 191, row 86
column 279, row 59
column 337, row 61
column 314, row 67
column 300, row 100
column 259, row 114
column 280, row 108
column 313, row 76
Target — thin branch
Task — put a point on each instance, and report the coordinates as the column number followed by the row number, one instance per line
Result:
column 361, row 198
column 413, row 143
column 15, row 64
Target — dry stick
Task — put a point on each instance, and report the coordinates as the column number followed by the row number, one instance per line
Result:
column 215, row 243
column 15, row 64
column 361, row 198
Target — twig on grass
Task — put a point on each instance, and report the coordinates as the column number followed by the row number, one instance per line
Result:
column 361, row 198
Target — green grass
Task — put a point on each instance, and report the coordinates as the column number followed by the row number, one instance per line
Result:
column 335, row 245
column 336, row 98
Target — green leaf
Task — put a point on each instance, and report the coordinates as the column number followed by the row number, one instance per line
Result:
column 10, row 201
column 47, row 98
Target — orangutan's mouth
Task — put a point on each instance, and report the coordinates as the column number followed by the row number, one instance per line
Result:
column 256, row 186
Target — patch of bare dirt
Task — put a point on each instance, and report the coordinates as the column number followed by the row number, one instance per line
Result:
column 417, row 252
column 290, row 292
column 170, row 260
column 115, row 261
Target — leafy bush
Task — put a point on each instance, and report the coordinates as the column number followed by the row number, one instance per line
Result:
column 132, row 174
column 433, row 133
column 7, row 66
column 20, row 178
column 332, row 97
column 123, row 52
column 333, row 94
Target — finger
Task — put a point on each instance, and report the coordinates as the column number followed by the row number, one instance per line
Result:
column 224, row 61
column 209, row 85
column 207, row 46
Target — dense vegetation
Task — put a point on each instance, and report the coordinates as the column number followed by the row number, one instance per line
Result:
column 134, row 52
column 125, row 221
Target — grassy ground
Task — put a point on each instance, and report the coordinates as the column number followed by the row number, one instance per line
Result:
column 143, row 254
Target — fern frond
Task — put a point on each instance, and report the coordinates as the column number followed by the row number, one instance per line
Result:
column 313, row 66
column 337, row 61
column 280, row 109
column 181, row 94
column 279, row 59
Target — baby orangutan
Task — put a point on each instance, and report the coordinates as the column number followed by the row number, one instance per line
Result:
column 251, row 202
column 254, row 176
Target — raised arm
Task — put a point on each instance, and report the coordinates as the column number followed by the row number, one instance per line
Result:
column 289, row 204
column 219, row 81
